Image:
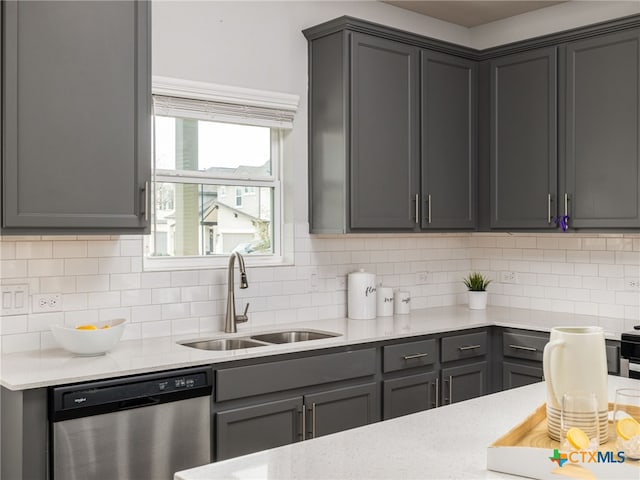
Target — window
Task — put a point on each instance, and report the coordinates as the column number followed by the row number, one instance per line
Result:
column 217, row 180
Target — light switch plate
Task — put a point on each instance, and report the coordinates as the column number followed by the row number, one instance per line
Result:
column 14, row 299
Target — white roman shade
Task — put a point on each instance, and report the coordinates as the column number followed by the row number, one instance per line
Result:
column 220, row 103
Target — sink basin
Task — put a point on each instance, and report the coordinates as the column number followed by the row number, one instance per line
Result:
column 224, row 344
column 293, row 336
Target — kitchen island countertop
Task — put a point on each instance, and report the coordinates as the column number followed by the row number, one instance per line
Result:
column 42, row 368
column 445, row 442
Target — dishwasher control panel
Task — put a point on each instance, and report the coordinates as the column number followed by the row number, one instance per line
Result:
column 130, row 392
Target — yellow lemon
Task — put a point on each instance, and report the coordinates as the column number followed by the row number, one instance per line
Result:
column 627, row 428
column 86, row 327
column 104, row 327
column 577, row 438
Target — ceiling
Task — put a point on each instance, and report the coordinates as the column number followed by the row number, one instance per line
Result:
column 471, row 13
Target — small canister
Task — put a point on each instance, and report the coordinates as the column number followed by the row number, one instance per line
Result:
column 385, row 301
column 402, row 302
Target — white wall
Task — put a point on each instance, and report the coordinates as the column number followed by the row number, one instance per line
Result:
column 259, row 45
column 563, row 16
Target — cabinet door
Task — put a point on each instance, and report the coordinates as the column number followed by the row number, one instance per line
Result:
column 341, row 409
column 411, row 394
column 603, row 131
column 384, row 176
column 464, row 382
column 517, row 375
column 77, row 116
column 449, row 149
column 523, row 171
column 259, row 427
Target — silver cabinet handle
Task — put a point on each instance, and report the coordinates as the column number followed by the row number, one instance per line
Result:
column 469, row 347
column 549, row 219
column 313, row 420
column 450, row 389
column 566, row 204
column 415, row 355
column 417, row 208
column 145, row 206
column 520, row 347
column 429, row 210
column 435, row 404
column 304, row 421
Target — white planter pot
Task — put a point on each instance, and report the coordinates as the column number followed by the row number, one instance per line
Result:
column 477, row 300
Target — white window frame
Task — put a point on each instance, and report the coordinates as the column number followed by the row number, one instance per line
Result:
column 236, row 97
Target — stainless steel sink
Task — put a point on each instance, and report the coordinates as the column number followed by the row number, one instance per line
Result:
column 293, row 336
column 259, row 340
column 224, row 344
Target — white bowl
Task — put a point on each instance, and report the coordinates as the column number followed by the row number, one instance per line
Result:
column 89, row 342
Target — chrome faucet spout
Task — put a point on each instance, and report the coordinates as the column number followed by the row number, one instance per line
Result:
column 231, row 319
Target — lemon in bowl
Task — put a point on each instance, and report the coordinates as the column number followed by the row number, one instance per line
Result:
column 89, row 339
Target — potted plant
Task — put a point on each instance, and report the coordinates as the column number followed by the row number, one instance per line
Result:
column 477, row 283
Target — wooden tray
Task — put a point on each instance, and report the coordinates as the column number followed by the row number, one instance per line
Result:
column 526, row 450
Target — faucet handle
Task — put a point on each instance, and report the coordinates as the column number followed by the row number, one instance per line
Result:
column 243, row 318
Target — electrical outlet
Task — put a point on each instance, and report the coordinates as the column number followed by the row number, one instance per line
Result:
column 508, row 277
column 633, row 284
column 342, row 282
column 314, row 282
column 15, row 299
column 47, row 303
column 422, row 278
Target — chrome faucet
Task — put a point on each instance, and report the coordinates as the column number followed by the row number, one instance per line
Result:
column 231, row 319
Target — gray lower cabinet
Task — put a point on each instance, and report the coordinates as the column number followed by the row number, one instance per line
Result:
column 602, row 128
column 410, row 394
column 523, row 144
column 341, row 409
column 274, row 423
column 464, row 382
column 76, row 89
column 517, row 375
column 258, row 427
column 448, row 131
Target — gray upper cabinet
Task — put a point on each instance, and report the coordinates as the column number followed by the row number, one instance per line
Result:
column 363, row 137
column 383, row 173
column 448, row 147
column 602, row 166
column 76, row 116
column 523, row 158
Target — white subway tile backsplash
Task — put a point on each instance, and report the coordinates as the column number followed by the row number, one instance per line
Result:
column 45, row 268
column 92, row 283
column 103, row 299
column 115, row 265
column 81, row 266
column 42, row 321
column 70, row 249
column 32, row 250
column 146, row 313
column 125, row 281
column 101, row 277
column 103, row 248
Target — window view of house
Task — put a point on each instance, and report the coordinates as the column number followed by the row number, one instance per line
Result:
column 214, row 189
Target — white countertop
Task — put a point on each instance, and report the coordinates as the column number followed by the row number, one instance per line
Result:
column 40, row 368
column 446, row 442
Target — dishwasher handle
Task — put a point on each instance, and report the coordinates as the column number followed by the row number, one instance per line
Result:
column 138, row 402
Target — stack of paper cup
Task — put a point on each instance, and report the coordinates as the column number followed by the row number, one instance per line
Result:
column 361, row 295
column 385, row 301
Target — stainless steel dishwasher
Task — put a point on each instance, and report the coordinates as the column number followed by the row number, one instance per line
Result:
column 144, row 427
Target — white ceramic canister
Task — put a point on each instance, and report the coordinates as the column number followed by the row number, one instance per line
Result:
column 384, row 301
column 361, row 295
column 402, row 302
